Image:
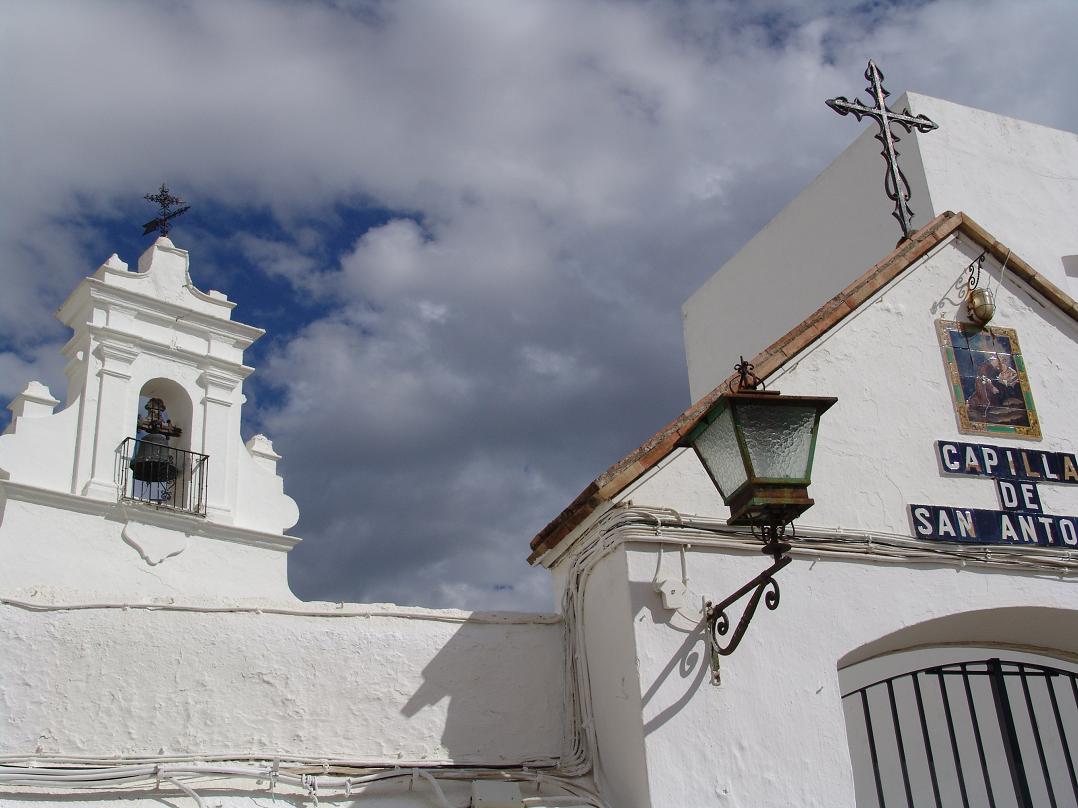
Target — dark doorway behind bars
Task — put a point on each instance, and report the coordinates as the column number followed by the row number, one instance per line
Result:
column 993, row 733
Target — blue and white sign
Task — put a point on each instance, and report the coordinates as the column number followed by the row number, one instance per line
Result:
column 1006, row 462
column 1017, row 473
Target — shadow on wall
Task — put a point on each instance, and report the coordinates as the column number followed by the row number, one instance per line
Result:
column 1070, row 265
column 689, row 664
column 505, row 692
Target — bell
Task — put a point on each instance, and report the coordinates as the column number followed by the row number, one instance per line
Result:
column 154, row 461
column 980, row 306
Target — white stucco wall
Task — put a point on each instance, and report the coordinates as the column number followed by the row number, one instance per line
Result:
column 1017, row 179
column 876, row 452
column 38, row 449
column 772, row 733
column 620, row 764
column 132, row 554
column 424, row 686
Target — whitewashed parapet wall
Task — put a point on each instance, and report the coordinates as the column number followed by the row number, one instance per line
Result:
column 379, row 685
column 133, row 633
column 772, row 733
column 1014, row 178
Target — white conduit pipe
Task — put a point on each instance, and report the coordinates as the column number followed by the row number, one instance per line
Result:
column 337, row 761
column 434, row 784
column 142, row 776
column 467, row 617
column 190, row 792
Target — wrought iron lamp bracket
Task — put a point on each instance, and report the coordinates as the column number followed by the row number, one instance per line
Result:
column 762, row 586
column 974, row 269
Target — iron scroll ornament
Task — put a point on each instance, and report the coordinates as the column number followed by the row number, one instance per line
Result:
column 762, row 586
column 718, row 622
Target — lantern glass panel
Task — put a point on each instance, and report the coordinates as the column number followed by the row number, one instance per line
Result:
column 779, row 439
column 720, row 452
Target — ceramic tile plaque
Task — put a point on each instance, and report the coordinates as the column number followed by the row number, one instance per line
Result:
column 988, row 381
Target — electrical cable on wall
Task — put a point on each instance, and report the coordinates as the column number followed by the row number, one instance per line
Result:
column 129, row 778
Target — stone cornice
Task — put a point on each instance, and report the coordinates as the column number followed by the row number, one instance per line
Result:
column 116, row 358
column 218, row 385
column 147, row 514
column 98, row 290
column 160, row 349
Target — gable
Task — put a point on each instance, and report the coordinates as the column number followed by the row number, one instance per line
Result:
column 922, row 249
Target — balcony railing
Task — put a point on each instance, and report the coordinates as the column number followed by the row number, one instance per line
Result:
column 163, row 476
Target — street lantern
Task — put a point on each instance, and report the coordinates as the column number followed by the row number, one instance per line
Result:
column 757, row 446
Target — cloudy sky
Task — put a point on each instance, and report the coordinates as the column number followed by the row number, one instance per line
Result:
column 468, row 226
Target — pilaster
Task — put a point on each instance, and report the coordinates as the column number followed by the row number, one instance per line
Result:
column 115, row 416
column 218, row 414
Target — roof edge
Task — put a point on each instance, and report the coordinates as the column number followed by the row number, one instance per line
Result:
column 645, row 457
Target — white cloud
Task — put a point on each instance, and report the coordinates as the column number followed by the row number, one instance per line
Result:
column 281, row 258
column 566, row 173
column 42, row 363
column 388, row 261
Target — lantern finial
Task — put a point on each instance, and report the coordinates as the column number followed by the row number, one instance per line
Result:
column 746, row 378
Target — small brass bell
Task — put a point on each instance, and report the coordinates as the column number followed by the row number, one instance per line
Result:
column 980, row 305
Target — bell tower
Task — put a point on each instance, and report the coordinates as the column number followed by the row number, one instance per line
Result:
column 166, row 472
column 135, row 329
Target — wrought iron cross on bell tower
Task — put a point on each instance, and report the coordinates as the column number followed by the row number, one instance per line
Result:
column 165, row 201
column 895, row 184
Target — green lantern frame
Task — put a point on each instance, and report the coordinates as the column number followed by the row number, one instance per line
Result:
column 759, row 500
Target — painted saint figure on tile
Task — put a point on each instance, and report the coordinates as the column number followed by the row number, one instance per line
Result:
column 988, row 380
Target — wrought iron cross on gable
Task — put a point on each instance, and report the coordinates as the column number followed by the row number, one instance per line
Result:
column 895, row 184
column 165, row 201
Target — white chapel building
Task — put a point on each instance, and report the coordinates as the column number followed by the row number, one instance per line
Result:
column 923, row 651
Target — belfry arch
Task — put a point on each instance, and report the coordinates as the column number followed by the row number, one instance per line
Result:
column 178, row 405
